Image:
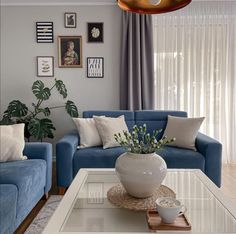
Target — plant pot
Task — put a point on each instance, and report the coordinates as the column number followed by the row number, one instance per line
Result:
column 140, row 174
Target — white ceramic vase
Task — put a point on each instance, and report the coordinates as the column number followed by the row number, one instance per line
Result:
column 141, row 174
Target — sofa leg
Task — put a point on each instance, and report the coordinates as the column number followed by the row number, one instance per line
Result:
column 61, row 190
column 46, row 196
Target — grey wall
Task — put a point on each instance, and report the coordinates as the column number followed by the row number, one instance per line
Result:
column 19, row 50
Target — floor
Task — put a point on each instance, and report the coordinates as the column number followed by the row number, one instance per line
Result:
column 228, row 182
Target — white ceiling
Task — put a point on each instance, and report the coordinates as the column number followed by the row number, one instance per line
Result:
column 65, row 2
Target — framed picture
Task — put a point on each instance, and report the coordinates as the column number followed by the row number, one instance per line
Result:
column 44, row 32
column 70, row 20
column 45, row 66
column 95, row 32
column 95, row 67
column 70, row 51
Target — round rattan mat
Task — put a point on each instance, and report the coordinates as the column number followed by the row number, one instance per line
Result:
column 118, row 196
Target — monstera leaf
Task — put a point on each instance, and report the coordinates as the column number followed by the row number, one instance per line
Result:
column 71, row 109
column 16, row 109
column 46, row 111
column 40, row 91
column 6, row 120
column 61, row 88
column 41, row 128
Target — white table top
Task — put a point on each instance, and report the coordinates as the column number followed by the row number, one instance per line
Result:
column 85, row 208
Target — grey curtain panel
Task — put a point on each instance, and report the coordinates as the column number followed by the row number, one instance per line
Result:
column 137, row 65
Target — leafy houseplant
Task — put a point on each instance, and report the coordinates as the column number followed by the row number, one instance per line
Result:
column 140, row 170
column 141, row 142
column 37, row 123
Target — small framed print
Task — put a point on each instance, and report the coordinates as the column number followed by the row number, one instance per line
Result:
column 44, row 32
column 45, row 66
column 70, row 51
column 95, row 32
column 95, row 67
column 70, row 20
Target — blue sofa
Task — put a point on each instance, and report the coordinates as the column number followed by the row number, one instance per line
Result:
column 70, row 159
column 23, row 183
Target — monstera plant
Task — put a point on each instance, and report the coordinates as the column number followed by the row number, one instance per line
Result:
column 36, row 119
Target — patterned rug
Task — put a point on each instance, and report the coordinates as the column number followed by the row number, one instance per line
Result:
column 41, row 220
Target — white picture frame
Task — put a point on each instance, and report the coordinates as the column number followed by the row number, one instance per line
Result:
column 45, row 66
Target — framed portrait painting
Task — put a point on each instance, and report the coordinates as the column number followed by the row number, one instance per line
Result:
column 70, row 20
column 70, row 51
column 95, row 32
column 45, row 66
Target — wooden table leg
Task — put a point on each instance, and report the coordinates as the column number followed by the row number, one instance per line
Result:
column 46, row 196
column 61, row 190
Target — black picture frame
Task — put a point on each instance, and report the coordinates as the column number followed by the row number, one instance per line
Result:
column 70, row 20
column 95, row 31
column 44, row 32
column 45, row 66
column 95, row 67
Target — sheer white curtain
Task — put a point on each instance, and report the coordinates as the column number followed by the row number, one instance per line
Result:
column 195, row 67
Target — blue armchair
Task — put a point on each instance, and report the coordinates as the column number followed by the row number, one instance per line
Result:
column 70, row 159
column 23, row 183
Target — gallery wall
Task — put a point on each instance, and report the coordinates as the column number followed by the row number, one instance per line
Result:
column 19, row 50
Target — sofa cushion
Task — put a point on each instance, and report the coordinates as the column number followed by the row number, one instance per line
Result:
column 8, row 200
column 29, row 177
column 129, row 115
column 88, row 132
column 184, row 130
column 155, row 119
column 12, row 142
column 182, row 158
column 96, row 157
column 108, row 127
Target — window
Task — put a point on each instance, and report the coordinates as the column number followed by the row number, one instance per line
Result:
column 195, row 67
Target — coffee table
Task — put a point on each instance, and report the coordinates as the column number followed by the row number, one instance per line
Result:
column 85, row 208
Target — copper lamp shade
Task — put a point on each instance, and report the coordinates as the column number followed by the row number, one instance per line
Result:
column 152, row 6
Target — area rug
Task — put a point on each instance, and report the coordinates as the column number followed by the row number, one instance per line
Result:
column 41, row 220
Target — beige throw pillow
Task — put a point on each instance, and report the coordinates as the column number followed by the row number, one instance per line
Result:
column 12, row 142
column 88, row 132
column 185, row 131
column 108, row 127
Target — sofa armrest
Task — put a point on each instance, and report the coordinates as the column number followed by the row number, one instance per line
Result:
column 65, row 150
column 212, row 151
column 8, row 204
column 38, row 150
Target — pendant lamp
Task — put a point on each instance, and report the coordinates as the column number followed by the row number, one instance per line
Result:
column 152, row 6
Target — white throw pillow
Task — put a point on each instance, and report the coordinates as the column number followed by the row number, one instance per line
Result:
column 108, row 127
column 88, row 132
column 12, row 142
column 185, row 131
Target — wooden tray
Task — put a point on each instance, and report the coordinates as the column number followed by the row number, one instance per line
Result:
column 155, row 224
